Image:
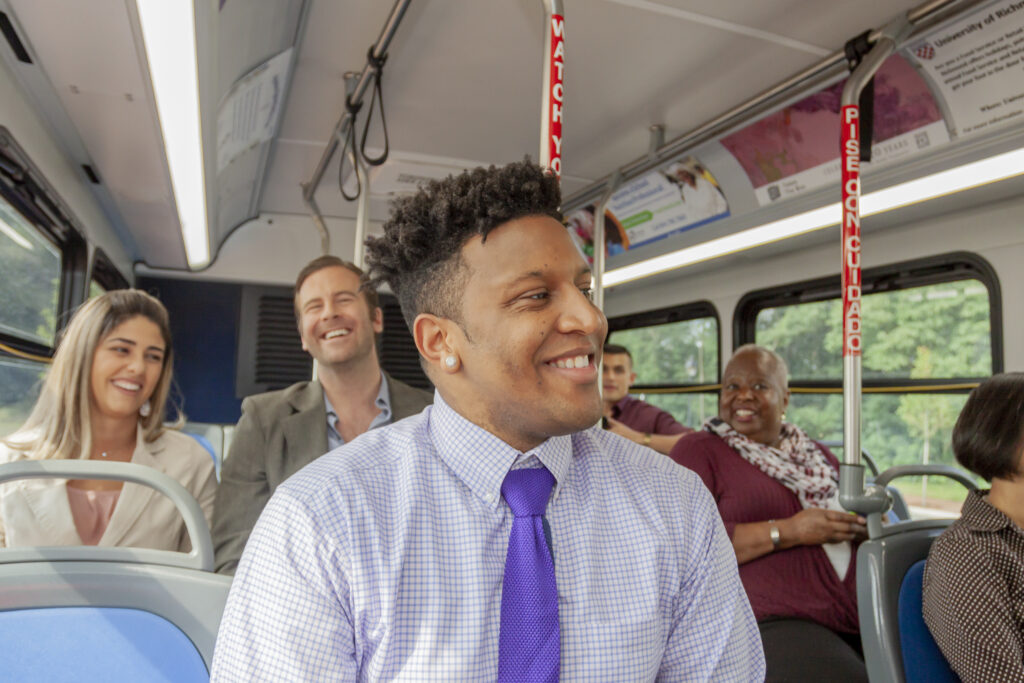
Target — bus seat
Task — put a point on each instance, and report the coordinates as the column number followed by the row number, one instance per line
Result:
column 88, row 613
column 205, row 443
column 156, row 649
column 922, row 660
column 883, row 562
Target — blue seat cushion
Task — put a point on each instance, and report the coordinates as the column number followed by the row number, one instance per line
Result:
column 95, row 644
column 922, row 659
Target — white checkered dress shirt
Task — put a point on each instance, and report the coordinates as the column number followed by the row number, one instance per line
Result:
column 384, row 559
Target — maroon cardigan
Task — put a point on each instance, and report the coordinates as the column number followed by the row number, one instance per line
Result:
column 643, row 417
column 796, row 582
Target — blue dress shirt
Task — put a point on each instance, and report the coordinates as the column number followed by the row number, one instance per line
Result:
column 384, row 559
column 383, row 403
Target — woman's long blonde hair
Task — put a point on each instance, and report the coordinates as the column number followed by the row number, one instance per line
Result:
column 60, row 423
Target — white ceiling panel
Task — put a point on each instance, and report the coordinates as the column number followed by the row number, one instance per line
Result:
column 89, row 53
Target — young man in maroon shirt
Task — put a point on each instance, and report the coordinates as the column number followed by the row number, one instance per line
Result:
column 630, row 417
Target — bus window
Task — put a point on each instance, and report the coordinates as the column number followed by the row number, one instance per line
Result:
column 21, row 380
column 925, row 347
column 675, row 357
column 30, row 286
column 95, row 289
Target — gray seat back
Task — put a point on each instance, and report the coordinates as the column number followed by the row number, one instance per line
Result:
column 881, row 565
column 179, row 587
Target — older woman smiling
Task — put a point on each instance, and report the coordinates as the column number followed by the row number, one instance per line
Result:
column 777, row 493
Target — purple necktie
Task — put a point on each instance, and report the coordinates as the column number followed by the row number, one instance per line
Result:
column 528, row 647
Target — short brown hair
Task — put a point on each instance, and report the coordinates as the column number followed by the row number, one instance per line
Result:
column 989, row 433
column 617, row 349
column 329, row 261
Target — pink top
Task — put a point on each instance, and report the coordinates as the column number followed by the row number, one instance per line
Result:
column 91, row 511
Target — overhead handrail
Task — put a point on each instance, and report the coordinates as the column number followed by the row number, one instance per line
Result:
column 920, row 18
column 599, row 240
column 200, row 557
column 377, row 52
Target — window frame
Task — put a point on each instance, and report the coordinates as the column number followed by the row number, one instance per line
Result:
column 104, row 273
column 950, row 267
column 673, row 314
column 24, row 187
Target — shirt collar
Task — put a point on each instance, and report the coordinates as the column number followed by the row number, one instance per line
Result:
column 978, row 514
column 383, row 402
column 621, row 404
column 481, row 460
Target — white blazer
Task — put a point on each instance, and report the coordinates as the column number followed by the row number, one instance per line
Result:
column 37, row 511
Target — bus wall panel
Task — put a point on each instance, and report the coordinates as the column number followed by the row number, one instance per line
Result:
column 271, row 250
column 204, row 326
column 992, row 231
column 34, row 136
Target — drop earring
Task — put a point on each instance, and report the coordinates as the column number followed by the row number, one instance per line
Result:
column 450, row 361
column 145, row 409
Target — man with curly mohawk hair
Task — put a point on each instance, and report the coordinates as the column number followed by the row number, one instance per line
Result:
column 500, row 534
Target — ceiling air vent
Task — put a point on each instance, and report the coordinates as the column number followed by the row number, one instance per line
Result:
column 399, row 176
column 270, row 354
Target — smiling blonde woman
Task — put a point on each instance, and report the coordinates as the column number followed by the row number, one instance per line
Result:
column 104, row 398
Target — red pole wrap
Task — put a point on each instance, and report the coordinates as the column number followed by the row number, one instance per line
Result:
column 557, row 66
column 850, row 158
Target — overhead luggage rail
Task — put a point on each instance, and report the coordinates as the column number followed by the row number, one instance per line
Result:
column 920, row 18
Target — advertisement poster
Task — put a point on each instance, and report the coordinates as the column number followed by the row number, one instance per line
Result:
column 679, row 196
column 976, row 66
column 796, row 149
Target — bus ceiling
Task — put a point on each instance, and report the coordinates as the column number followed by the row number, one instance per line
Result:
column 462, row 89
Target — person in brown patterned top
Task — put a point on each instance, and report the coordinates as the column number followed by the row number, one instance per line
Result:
column 974, row 578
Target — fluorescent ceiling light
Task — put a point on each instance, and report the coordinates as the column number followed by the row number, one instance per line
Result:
column 168, row 29
column 974, row 174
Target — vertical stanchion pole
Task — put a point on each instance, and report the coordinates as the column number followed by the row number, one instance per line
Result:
column 851, row 280
column 852, row 493
column 362, row 211
column 554, row 89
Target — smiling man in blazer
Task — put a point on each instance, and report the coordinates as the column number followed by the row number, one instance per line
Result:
column 282, row 431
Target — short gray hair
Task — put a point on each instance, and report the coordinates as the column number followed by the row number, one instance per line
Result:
column 780, row 362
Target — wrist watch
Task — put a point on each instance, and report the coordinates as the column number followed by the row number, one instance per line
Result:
column 773, row 533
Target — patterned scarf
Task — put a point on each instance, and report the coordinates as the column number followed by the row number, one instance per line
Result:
column 797, row 463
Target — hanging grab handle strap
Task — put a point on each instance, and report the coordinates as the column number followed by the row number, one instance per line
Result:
column 348, row 151
column 378, row 68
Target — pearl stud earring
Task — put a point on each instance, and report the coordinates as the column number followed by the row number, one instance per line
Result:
column 450, row 361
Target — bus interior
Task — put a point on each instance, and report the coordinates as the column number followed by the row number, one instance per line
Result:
column 704, row 134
